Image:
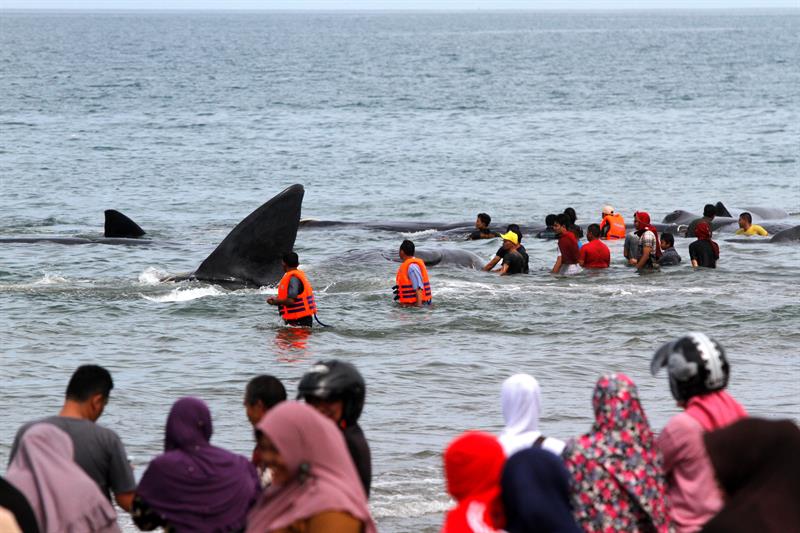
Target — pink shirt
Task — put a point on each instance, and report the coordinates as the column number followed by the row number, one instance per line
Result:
column 692, row 490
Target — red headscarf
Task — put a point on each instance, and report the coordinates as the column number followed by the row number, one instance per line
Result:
column 473, row 463
column 703, row 233
column 644, row 218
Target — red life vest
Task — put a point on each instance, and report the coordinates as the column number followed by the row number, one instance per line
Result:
column 405, row 289
column 304, row 304
column 616, row 229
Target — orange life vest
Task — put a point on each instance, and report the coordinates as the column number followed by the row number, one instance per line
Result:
column 405, row 289
column 304, row 304
column 616, row 229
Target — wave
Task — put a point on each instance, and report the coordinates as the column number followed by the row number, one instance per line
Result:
column 185, row 295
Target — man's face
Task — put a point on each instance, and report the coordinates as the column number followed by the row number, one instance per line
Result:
column 637, row 223
column 558, row 228
column 508, row 245
column 742, row 223
column 664, row 244
column 97, row 404
column 333, row 410
column 479, row 224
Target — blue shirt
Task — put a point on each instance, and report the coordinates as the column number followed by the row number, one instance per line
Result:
column 415, row 275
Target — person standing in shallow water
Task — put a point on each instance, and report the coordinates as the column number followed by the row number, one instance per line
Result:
column 709, row 212
column 413, row 287
column 567, row 261
column 746, row 226
column 594, row 254
column 704, row 252
column 649, row 249
column 482, row 230
column 295, row 299
column 617, row 480
column 698, row 374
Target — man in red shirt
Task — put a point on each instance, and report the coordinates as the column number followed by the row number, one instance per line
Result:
column 594, row 254
column 567, row 262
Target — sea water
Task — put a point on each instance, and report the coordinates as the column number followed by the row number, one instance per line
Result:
column 189, row 121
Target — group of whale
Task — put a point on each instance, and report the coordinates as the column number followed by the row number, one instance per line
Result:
column 250, row 255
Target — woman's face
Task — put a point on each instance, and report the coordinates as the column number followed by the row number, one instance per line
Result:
column 271, row 458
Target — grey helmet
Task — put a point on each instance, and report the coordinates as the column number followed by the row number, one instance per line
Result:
column 334, row 380
column 696, row 365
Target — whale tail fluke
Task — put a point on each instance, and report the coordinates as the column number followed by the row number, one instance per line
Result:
column 120, row 226
column 251, row 254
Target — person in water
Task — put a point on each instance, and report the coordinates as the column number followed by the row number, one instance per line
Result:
column 612, row 225
column 413, row 287
column 746, row 226
column 567, row 261
column 337, row 390
column 548, row 232
column 98, row 450
column 501, row 252
column 482, row 230
column 704, row 252
column 698, row 373
column 594, row 254
column 473, row 464
column 709, row 212
column 649, row 249
column 315, row 486
column 295, row 299
column 513, row 262
column 573, row 226
column 194, row 485
column 262, row 394
column 669, row 255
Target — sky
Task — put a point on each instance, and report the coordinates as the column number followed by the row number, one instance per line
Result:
column 395, row 4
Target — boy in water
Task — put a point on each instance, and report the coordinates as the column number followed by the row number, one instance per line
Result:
column 669, row 255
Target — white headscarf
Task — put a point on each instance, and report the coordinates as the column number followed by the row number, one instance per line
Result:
column 521, row 400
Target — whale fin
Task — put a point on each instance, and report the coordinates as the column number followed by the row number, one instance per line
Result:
column 251, row 254
column 721, row 210
column 119, row 225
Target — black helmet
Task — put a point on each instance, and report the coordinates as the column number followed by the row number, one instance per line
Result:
column 696, row 365
column 334, row 380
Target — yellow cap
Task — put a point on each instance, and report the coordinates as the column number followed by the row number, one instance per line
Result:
column 510, row 236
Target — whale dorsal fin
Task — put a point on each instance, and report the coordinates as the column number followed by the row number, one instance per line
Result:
column 119, row 225
column 722, row 211
column 252, row 252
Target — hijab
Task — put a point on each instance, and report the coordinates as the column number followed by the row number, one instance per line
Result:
column 193, row 485
column 535, row 491
column 618, row 482
column 703, row 233
column 757, row 465
column 714, row 410
column 521, row 400
column 63, row 497
column 322, row 474
column 644, row 218
column 473, row 463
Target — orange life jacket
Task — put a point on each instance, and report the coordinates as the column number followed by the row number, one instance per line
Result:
column 304, row 304
column 617, row 226
column 405, row 289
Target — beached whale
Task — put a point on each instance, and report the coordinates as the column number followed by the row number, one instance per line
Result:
column 251, row 255
column 117, row 229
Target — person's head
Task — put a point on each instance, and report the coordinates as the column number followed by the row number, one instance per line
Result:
column 510, row 240
column 473, row 463
column 90, row 387
column 406, row 249
column 667, row 241
column 483, row 221
column 516, row 229
column 745, row 220
column 561, row 223
column 549, row 220
column 615, row 394
column 573, row 216
column 709, row 211
column 520, row 401
column 336, row 389
column 262, row 394
column 641, row 220
column 696, row 365
column 607, row 210
column 188, row 425
column 576, row 230
column 593, row 232
column 290, row 261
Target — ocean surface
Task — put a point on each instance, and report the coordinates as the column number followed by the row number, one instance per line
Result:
column 189, row 121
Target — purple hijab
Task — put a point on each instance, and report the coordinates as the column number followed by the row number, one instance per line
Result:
column 193, row 485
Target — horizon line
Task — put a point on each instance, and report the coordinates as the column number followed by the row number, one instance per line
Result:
column 414, row 9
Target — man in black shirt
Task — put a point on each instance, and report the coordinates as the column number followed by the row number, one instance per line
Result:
column 501, row 252
column 482, row 230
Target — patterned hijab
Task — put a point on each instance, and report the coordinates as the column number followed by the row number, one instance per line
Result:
column 618, row 483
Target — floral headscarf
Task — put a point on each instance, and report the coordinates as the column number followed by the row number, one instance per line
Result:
column 618, row 483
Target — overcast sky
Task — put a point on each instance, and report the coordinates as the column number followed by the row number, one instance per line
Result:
column 393, row 4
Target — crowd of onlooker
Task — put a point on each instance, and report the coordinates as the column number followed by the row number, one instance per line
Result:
column 711, row 468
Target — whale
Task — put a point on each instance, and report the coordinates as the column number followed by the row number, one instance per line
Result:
column 117, row 229
column 251, row 254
